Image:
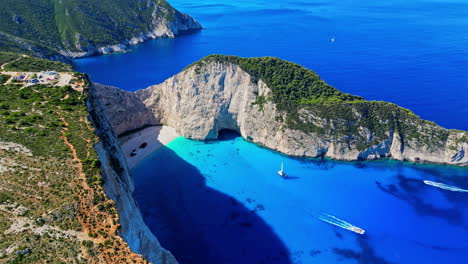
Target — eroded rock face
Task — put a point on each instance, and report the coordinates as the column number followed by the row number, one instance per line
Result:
column 181, row 22
column 199, row 102
column 125, row 110
column 119, row 186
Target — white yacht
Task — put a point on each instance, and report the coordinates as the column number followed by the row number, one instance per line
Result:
column 340, row 223
column 445, row 186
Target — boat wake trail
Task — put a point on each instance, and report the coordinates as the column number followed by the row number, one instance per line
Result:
column 341, row 223
column 445, row 186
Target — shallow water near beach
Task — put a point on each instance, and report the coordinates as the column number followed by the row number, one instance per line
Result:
column 223, row 202
column 412, row 53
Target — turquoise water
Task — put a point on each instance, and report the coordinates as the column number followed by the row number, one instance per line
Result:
column 223, row 202
column 410, row 52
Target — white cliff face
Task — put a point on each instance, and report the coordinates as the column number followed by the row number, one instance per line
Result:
column 199, row 103
column 181, row 22
column 124, row 109
column 118, row 184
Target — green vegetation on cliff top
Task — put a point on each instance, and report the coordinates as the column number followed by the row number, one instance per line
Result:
column 299, row 93
column 291, row 84
column 51, row 197
column 54, row 25
column 17, row 62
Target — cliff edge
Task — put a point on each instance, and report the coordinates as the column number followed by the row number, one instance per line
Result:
column 288, row 108
column 118, row 184
column 125, row 111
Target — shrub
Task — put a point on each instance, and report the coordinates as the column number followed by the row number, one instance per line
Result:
column 4, row 197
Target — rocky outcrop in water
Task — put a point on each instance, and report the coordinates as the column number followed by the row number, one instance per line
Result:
column 215, row 95
column 118, row 184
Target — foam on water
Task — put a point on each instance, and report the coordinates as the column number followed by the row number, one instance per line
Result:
column 223, row 202
column 238, row 210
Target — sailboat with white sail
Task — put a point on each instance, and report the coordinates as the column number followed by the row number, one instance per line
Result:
column 281, row 171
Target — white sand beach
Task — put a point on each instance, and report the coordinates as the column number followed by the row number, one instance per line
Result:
column 139, row 145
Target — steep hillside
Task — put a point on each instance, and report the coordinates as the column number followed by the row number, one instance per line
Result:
column 10, row 61
column 286, row 107
column 53, row 203
column 56, row 29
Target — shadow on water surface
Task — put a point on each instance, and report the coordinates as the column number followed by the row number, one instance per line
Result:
column 291, row 178
column 410, row 190
column 367, row 255
column 199, row 224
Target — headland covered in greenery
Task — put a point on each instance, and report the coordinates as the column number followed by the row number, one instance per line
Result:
column 50, row 28
column 299, row 93
column 53, row 207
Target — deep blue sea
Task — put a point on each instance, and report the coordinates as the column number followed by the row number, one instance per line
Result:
column 222, row 202
column 410, row 52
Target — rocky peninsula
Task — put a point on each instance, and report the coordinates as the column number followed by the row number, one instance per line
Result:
column 285, row 107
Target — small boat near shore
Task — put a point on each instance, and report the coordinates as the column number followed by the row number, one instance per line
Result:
column 445, row 186
column 341, row 223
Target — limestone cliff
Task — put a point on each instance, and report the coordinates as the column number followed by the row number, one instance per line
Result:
column 118, row 184
column 124, row 109
column 218, row 93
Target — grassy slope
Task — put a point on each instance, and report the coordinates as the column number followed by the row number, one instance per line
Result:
column 299, row 93
column 10, row 62
column 56, row 23
column 6, row 57
column 47, row 190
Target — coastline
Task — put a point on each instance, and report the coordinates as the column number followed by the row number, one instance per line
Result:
column 139, row 145
column 121, row 47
